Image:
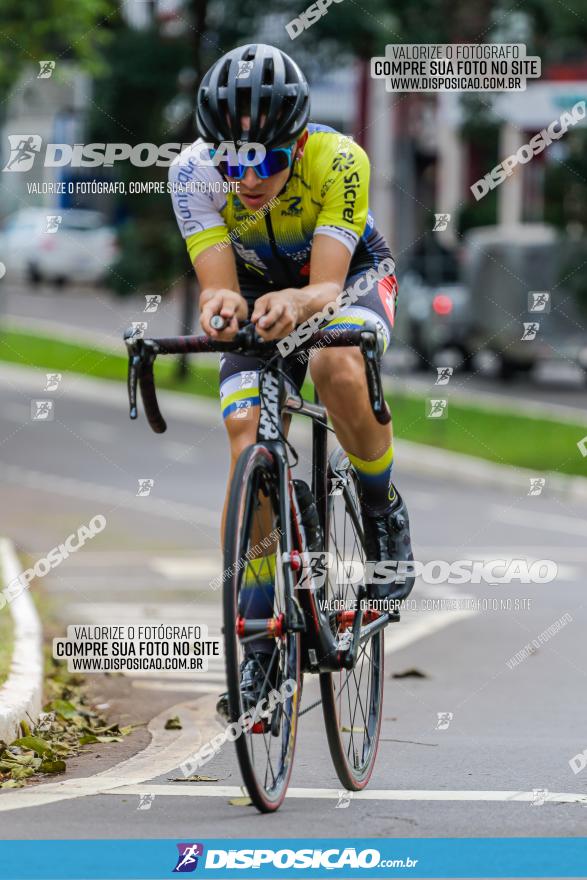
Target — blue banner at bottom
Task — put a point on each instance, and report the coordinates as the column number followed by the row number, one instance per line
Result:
column 285, row 857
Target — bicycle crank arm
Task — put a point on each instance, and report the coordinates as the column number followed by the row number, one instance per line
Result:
column 367, row 632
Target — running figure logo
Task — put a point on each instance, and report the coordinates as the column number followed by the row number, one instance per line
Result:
column 188, row 857
column 47, row 68
column 444, row 719
column 53, row 380
column 23, row 149
column 437, row 409
column 42, row 410
column 344, row 799
column 138, row 329
column 152, row 302
column 244, row 69
column 145, row 486
column 530, row 331
column 444, row 374
column 539, row 301
column 536, row 485
column 441, row 222
column 53, row 222
column 243, row 409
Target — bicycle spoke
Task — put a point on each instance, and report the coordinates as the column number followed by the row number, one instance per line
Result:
column 355, row 693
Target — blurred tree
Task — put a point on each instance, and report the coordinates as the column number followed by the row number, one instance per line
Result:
column 136, row 95
column 55, row 29
column 147, row 87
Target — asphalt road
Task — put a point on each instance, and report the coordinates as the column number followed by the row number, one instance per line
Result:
column 513, row 730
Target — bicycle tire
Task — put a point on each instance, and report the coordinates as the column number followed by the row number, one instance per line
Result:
column 353, row 771
column 255, row 467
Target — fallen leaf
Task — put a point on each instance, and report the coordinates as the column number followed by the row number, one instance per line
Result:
column 240, row 802
column 35, row 743
column 173, row 723
column 62, row 707
column 98, row 738
column 195, row 778
column 21, row 772
column 409, row 673
column 53, row 765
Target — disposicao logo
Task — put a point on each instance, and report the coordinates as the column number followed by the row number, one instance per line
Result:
column 187, row 859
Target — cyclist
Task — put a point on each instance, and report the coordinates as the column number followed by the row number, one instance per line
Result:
column 296, row 233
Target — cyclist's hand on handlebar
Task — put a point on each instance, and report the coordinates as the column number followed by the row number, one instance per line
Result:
column 275, row 315
column 229, row 305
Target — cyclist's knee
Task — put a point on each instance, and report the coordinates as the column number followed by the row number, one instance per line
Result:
column 242, row 431
column 339, row 376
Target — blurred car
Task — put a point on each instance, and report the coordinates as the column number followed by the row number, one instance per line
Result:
column 434, row 308
column 529, row 294
column 58, row 245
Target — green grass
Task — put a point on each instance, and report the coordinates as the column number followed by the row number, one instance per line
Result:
column 507, row 438
column 62, row 357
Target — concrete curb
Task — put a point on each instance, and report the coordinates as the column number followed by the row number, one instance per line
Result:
column 417, row 458
column 21, row 695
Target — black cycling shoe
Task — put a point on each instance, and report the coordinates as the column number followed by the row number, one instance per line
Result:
column 258, row 677
column 387, row 537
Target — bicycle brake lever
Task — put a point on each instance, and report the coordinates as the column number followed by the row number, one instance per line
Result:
column 134, row 362
column 372, row 349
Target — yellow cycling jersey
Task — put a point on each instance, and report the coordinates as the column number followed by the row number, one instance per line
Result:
column 327, row 193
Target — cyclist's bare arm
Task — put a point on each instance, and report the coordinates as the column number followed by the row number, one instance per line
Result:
column 220, row 293
column 277, row 314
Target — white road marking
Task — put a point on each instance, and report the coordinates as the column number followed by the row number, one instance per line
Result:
column 149, row 613
column 166, row 751
column 151, row 506
column 564, row 572
column 190, row 687
column 187, row 567
column 398, row 636
column 542, row 551
column 163, row 755
column 540, row 521
column 186, row 789
column 209, row 676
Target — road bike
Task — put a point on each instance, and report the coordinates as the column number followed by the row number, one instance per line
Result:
column 322, row 622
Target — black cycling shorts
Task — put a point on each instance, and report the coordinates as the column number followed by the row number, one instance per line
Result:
column 239, row 386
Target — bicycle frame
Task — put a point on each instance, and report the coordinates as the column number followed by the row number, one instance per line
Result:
column 321, row 649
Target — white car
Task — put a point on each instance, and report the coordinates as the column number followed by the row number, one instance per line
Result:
column 58, row 245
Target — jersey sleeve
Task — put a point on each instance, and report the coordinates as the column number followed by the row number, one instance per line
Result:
column 344, row 191
column 198, row 198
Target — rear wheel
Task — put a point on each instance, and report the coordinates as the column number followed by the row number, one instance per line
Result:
column 352, row 700
column 265, row 751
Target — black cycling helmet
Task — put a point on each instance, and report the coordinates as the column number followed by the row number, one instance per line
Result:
column 259, row 81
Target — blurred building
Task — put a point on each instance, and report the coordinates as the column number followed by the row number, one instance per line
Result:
column 53, row 108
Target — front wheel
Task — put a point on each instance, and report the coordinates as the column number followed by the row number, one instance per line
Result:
column 352, row 700
column 253, row 561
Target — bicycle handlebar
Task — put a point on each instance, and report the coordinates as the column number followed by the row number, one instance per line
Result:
column 143, row 352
